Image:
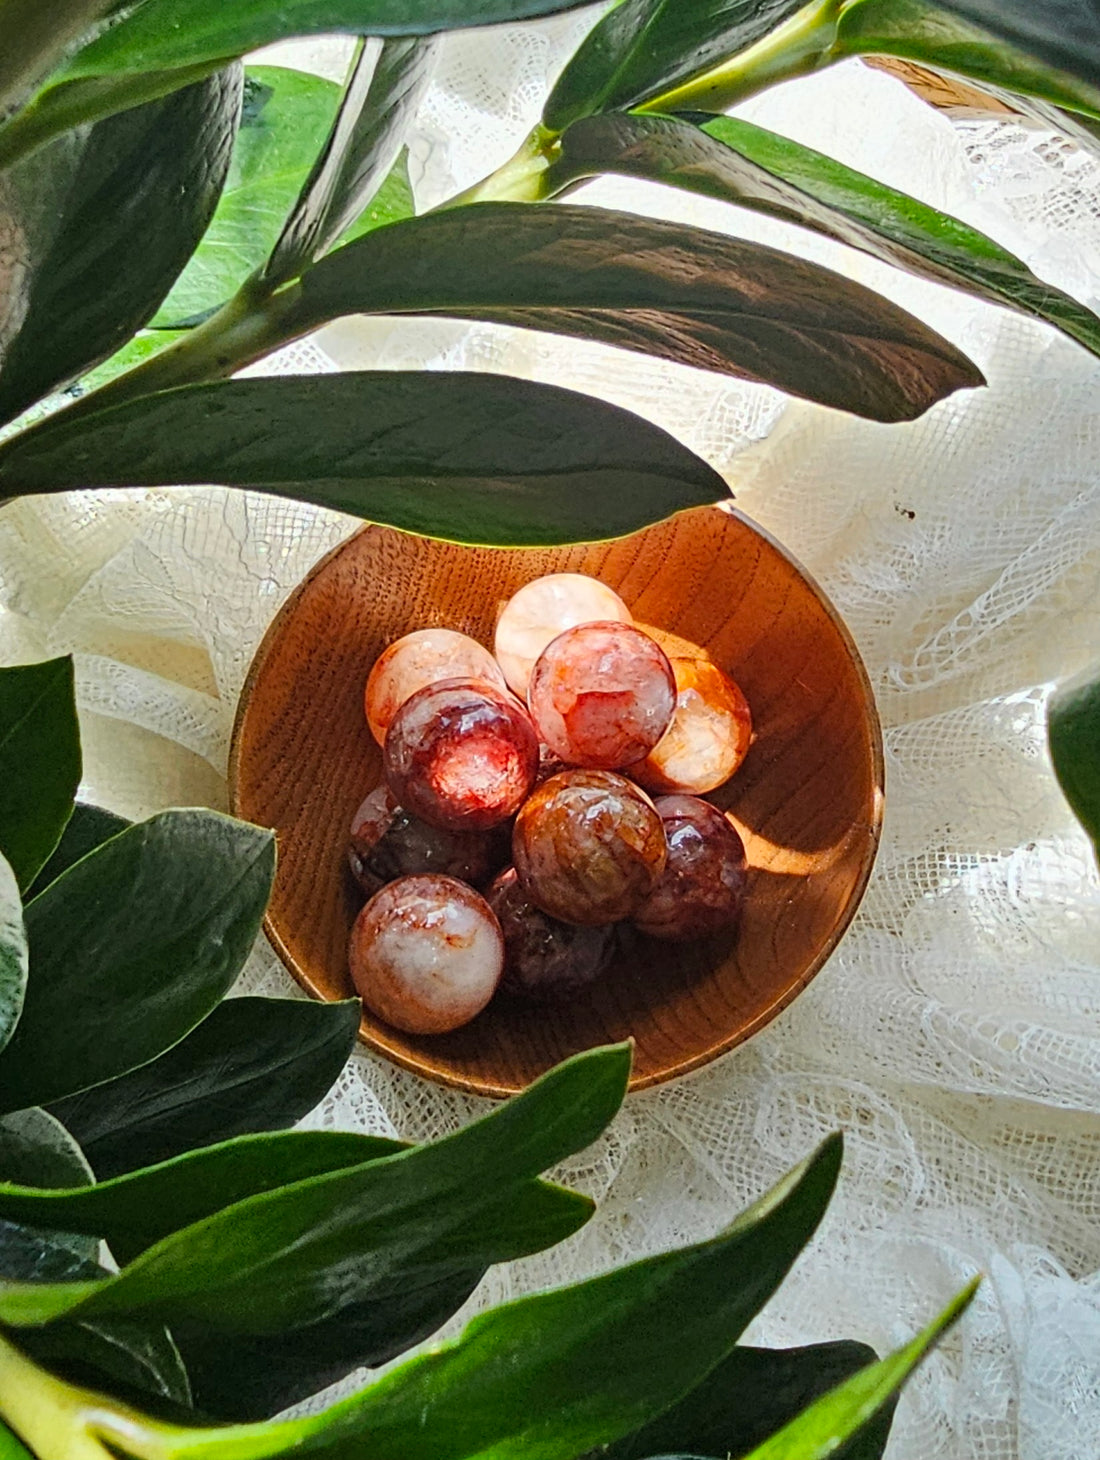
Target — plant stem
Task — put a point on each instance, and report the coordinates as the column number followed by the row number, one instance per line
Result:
column 51, row 1417
column 522, row 179
column 801, row 44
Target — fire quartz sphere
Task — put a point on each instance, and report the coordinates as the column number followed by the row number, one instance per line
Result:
column 389, row 842
column 545, row 958
column 709, row 735
column 702, row 886
column 419, row 659
column 541, row 610
column 588, row 847
column 602, row 695
column 426, row 954
column 461, row 755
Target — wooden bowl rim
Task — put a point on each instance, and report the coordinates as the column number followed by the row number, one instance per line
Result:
column 691, row 1062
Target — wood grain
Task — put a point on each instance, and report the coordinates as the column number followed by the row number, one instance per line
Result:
column 808, row 799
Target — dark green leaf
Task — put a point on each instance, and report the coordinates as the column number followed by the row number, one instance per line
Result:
column 253, row 1065
column 739, row 163
column 130, row 1358
column 39, row 765
column 105, row 219
column 165, row 33
column 551, row 1377
column 13, row 953
column 1063, row 33
column 473, row 458
column 297, row 1255
column 36, row 38
column 1073, row 728
column 917, row 31
column 752, row 1393
column 37, row 1151
column 643, row 48
column 819, row 1431
column 284, row 122
column 684, row 294
column 87, row 828
column 132, row 947
column 381, row 96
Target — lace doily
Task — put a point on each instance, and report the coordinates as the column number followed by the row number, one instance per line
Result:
column 954, row 1035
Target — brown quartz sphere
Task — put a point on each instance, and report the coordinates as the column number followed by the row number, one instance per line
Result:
column 588, row 846
column 709, row 735
column 388, row 842
column 545, row 958
column 461, row 755
column 416, row 660
column 702, row 886
column 602, row 695
column 426, row 954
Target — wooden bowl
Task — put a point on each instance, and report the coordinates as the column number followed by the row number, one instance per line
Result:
column 807, row 800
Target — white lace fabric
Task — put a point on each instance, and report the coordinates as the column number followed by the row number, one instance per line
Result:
column 954, row 1034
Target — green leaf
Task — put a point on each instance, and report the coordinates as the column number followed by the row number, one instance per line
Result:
column 553, row 1376
column 922, row 32
column 643, row 48
column 36, row 39
column 132, row 947
column 819, row 1431
column 106, row 217
column 473, row 458
column 296, row 1255
column 87, row 828
column 1063, row 33
column 254, row 1065
column 284, row 122
column 144, row 345
column 135, row 1359
column 684, row 294
column 12, row 1448
column 737, row 162
column 1073, row 730
column 381, row 96
column 748, row 1396
column 39, row 764
column 37, row 1151
column 168, row 33
column 13, row 953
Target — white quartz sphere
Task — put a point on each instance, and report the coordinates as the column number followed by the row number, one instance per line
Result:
column 541, row 610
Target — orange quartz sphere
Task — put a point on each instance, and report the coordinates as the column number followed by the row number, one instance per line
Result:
column 708, row 736
column 411, row 663
column 541, row 610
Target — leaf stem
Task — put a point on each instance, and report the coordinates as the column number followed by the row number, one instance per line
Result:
column 54, row 1419
column 522, row 179
column 802, row 44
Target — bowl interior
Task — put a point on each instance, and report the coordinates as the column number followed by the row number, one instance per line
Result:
column 807, row 800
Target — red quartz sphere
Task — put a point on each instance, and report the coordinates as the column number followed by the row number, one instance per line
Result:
column 388, row 842
column 602, row 695
column 545, row 958
column 709, row 735
column 588, row 846
column 416, row 660
column 461, row 755
column 426, row 954
column 702, row 886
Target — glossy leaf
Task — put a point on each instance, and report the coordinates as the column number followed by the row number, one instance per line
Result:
column 125, row 201
column 818, row 1432
column 381, row 96
column 1063, row 33
column 737, row 162
column 39, row 764
column 254, row 1065
column 643, row 48
column 168, row 33
column 131, row 1358
column 285, row 119
column 87, row 828
column 553, row 1376
column 13, row 953
column 748, row 1396
column 473, row 458
column 132, row 947
column 295, row 1256
column 918, row 31
column 37, row 1151
column 1073, row 729
column 36, row 39
column 684, row 294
